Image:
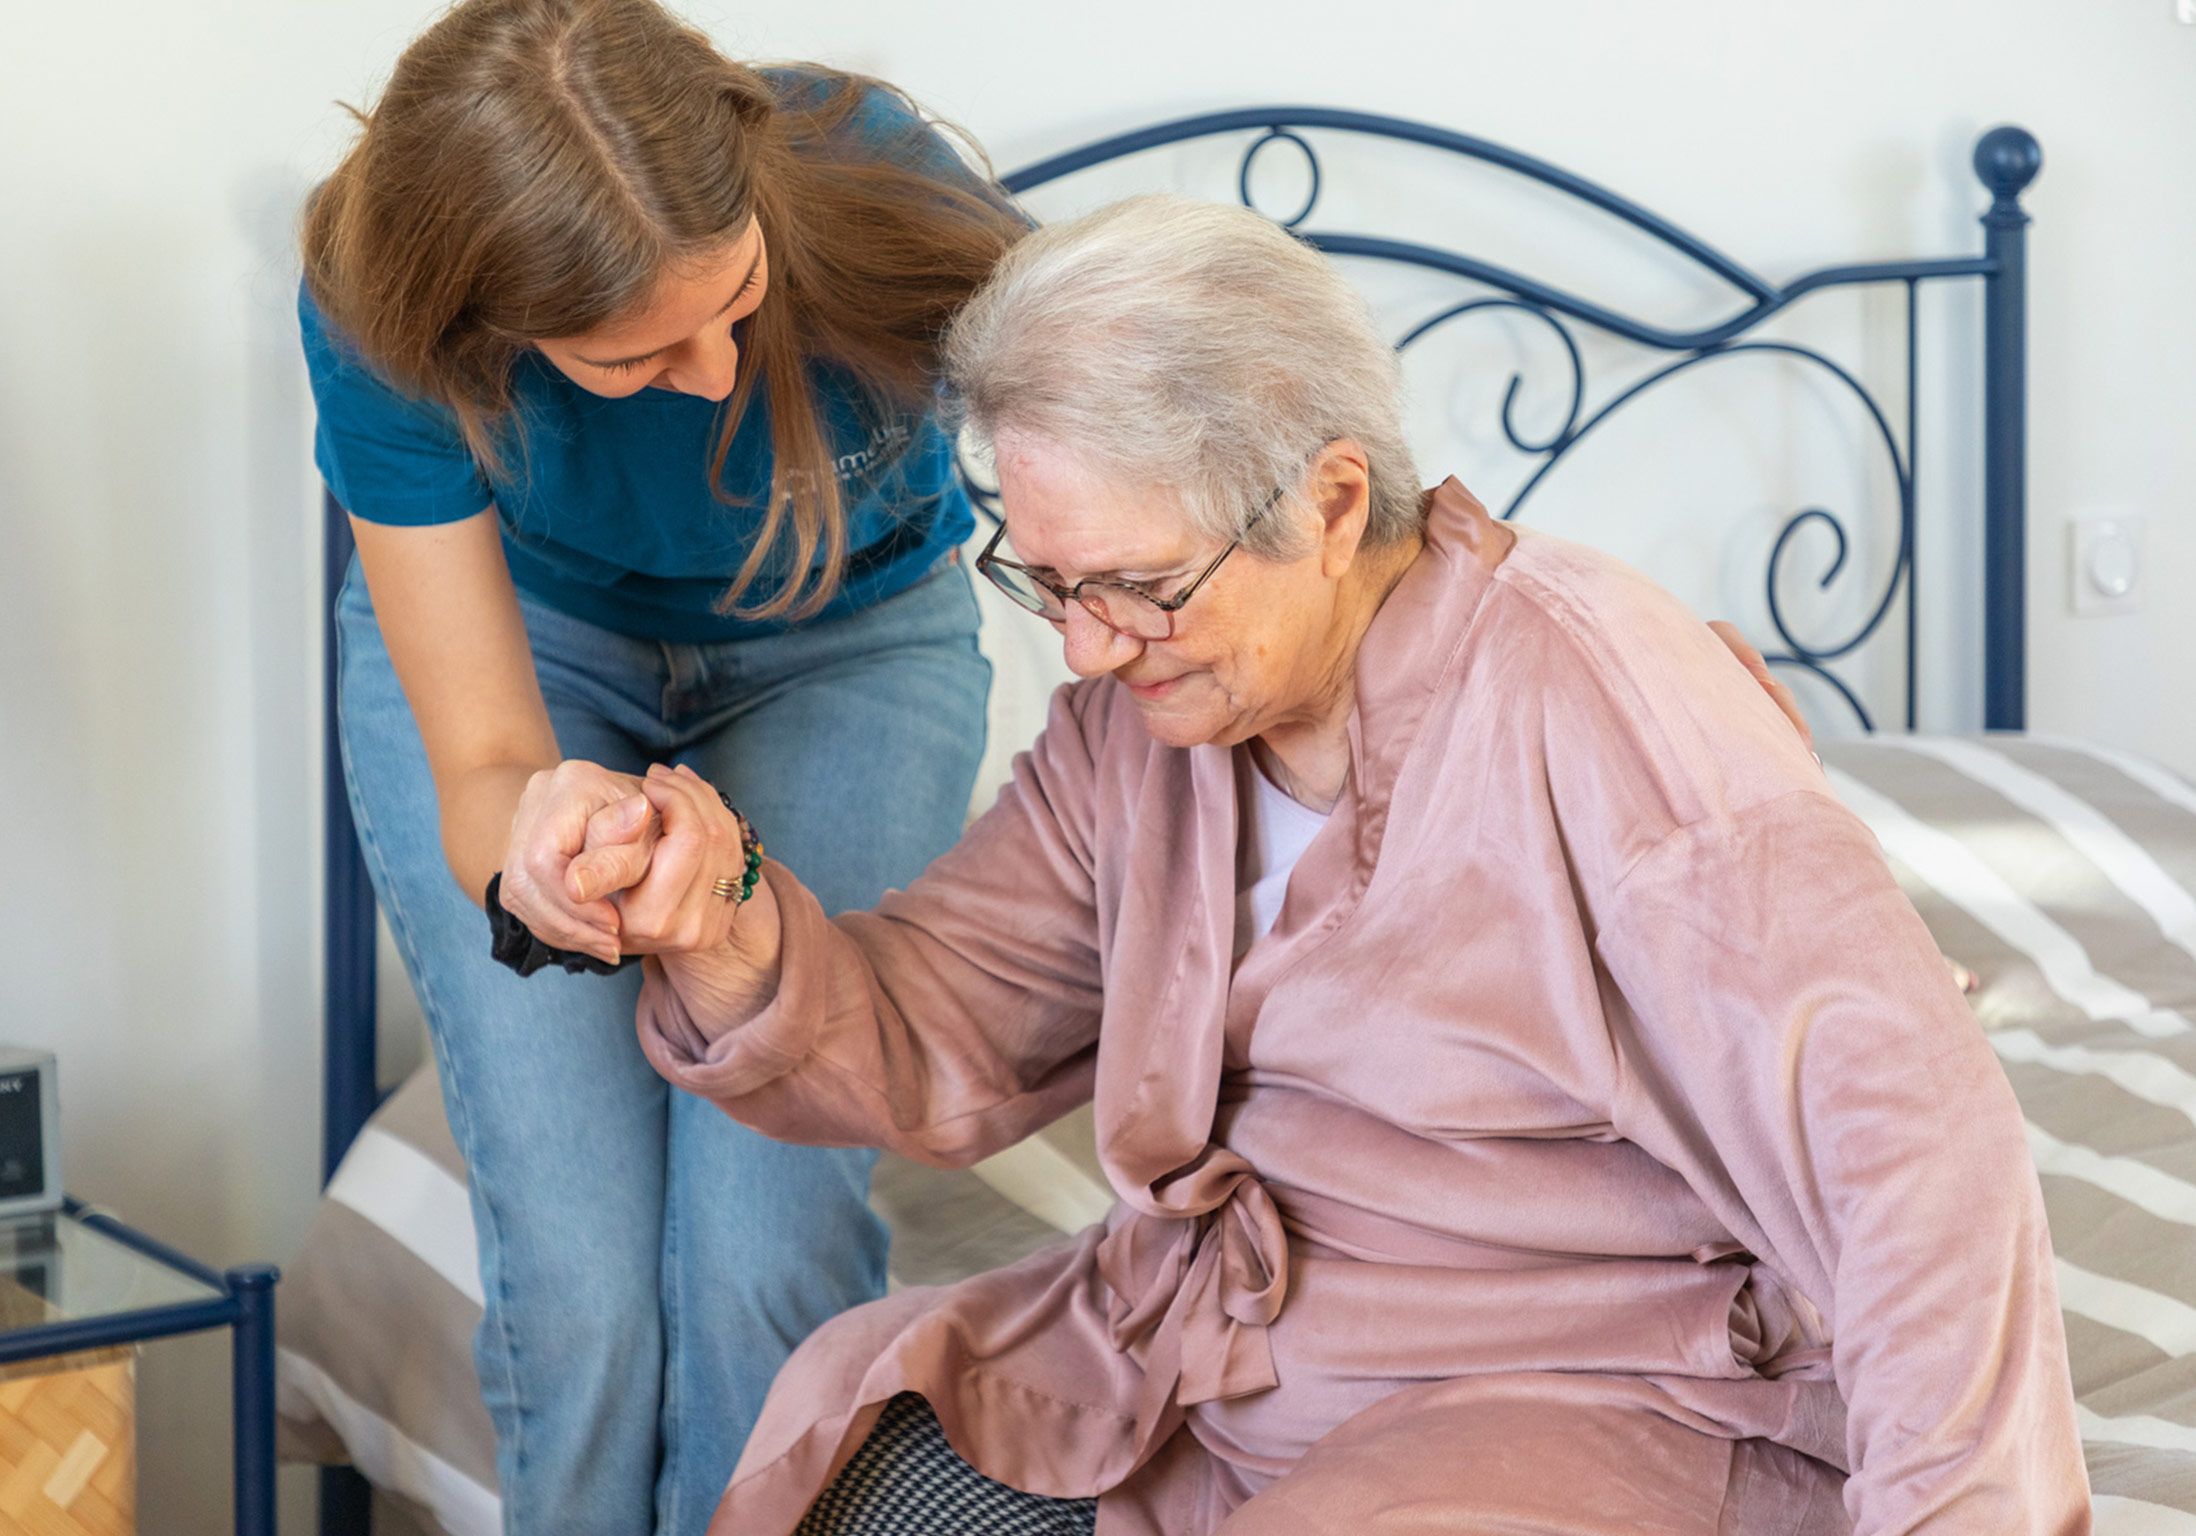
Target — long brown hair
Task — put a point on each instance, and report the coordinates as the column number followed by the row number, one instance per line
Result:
column 534, row 167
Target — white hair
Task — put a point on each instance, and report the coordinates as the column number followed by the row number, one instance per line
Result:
column 1189, row 345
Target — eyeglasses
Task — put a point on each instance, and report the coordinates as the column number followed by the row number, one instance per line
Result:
column 1122, row 606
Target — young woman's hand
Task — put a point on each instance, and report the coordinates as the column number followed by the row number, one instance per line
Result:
column 565, row 812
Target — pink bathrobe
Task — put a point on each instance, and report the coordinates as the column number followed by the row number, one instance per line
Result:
column 1596, row 1143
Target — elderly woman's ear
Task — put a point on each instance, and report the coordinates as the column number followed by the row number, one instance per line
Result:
column 1339, row 483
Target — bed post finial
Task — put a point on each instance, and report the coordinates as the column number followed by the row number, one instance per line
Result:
column 2007, row 159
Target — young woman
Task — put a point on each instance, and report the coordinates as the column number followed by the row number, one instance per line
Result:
column 624, row 356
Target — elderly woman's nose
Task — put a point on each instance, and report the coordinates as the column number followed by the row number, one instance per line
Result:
column 1094, row 648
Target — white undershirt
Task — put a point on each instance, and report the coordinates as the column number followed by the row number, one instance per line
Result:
column 1274, row 831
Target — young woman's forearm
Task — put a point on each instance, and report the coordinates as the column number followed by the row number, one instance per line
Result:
column 450, row 618
column 477, row 809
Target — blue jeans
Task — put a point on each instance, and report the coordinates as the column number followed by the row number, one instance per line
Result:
column 648, row 1263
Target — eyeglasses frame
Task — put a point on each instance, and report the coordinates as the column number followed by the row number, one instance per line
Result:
column 1170, row 606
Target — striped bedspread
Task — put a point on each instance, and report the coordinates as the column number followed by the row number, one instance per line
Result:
column 2062, row 875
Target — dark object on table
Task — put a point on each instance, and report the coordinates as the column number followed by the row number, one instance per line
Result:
column 30, row 1132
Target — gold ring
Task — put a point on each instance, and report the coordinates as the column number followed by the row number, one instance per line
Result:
column 728, row 889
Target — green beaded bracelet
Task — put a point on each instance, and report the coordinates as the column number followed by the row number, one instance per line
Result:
column 752, row 847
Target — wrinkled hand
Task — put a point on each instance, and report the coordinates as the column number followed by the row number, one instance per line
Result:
column 1751, row 660
column 713, row 965
column 665, row 900
column 696, row 999
column 565, row 812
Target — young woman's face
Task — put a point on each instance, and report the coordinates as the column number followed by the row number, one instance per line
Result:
column 682, row 339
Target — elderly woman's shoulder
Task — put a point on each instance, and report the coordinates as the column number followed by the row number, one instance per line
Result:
column 1628, row 679
column 1604, row 608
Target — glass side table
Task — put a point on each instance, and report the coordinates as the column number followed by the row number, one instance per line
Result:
column 103, row 1283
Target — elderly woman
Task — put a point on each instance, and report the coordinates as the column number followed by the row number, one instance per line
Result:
column 1532, row 1106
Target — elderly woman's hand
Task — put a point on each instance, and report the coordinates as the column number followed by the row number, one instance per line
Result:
column 563, row 812
column 1751, row 660
column 715, row 963
column 665, row 892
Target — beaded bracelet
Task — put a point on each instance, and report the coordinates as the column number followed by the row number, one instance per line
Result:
column 751, row 850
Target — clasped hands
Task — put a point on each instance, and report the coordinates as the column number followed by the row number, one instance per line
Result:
column 612, row 865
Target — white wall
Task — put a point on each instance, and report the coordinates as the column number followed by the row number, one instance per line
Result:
column 158, row 671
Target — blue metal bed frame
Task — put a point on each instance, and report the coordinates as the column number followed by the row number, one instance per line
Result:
column 2006, row 160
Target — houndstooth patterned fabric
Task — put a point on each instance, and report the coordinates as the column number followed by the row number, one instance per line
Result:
column 907, row 1481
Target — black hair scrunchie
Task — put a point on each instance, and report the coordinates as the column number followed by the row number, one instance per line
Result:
column 513, row 943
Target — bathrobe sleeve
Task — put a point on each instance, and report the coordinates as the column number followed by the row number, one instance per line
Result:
column 1787, row 1036
column 952, row 1021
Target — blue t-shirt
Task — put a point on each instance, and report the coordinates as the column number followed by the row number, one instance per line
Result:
column 606, row 507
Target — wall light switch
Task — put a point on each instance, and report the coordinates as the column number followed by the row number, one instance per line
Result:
column 2104, row 563
column 2185, row 10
